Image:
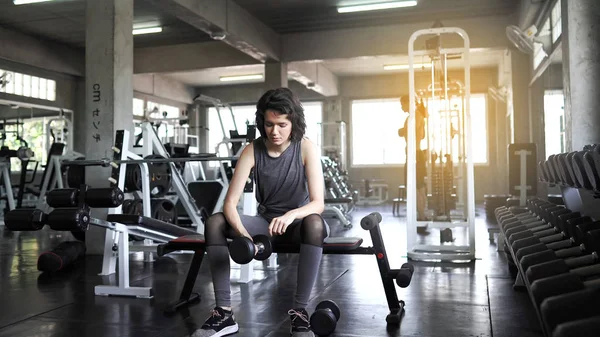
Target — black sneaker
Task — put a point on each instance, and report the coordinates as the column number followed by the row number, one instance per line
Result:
column 220, row 323
column 300, row 323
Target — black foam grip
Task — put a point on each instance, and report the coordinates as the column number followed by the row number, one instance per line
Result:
column 68, row 219
column 104, row 197
column 62, row 197
column 370, row 221
column 23, row 219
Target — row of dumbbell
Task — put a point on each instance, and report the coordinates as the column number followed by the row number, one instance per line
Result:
column 336, row 181
column 578, row 169
column 558, row 252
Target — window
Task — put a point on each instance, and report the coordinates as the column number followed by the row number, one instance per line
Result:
column 138, row 107
column 556, row 20
column 162, row 110
column 28, row 86
column 33, row 131
column 375, row 125
column 554, row 126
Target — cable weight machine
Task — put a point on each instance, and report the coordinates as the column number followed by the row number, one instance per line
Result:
column 449, row 161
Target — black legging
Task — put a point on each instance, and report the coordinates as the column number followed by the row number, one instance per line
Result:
column 309, row 232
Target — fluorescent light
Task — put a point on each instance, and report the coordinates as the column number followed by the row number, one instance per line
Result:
column 241, row 77
column 377, row 6
column 405, row 66
column 147, row 30
column 25, row 2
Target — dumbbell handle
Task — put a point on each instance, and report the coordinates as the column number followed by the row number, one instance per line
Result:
column 260, row 247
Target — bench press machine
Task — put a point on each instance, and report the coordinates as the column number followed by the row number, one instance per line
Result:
column 336, row 245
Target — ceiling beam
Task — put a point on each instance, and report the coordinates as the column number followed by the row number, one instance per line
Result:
column 225, row 20
column 484, row 32
column 315, row 77
column 42, row 54
column 187, row 57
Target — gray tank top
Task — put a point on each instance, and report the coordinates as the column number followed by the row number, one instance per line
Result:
column 281, row 183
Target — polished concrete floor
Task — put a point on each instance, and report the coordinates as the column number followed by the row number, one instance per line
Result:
column 444, row 299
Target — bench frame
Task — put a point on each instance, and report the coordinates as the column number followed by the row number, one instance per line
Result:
column 378, row 249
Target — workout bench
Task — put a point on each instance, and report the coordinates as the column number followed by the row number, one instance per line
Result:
column 335, row 245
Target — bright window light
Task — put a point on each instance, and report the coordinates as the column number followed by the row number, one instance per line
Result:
column 405, row 66
column 147, row 30
column 376, row 6
column 241, row 77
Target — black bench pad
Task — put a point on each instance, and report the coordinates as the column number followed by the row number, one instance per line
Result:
column 157, row 225
column 194, row 242
column 336, row 244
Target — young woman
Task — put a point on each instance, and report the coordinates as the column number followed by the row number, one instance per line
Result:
column 290, row 192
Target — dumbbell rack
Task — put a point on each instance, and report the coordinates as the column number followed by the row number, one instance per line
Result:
column 535, row 260
column 570, row 309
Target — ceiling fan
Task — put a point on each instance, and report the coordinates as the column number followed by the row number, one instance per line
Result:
column 522, row 40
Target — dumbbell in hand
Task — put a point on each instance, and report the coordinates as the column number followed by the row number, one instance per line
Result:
column 324, row 320
column 242, row 250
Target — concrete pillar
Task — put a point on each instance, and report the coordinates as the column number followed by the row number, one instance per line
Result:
column 332, row 109
column 536, row 107
column 521, row 75
column 276, row 75
column 109, row 90
column 581, row 71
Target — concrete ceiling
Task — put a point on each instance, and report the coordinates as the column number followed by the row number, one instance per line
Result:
column 293, row 16
column 294, row 31
column 64, row 21
column 340, row 67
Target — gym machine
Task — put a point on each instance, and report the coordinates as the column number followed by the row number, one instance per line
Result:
column 448, row 131
column 71, row 212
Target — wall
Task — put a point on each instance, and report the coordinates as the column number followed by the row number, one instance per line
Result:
column 162, row 89
column 250, row 93
column 397, row 85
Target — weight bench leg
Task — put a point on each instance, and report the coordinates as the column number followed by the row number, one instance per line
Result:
column 396, row 306
column 187, row 297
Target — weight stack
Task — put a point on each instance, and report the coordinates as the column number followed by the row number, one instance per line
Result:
column 490, row 203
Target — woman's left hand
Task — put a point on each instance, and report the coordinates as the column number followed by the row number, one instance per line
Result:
column 279, row 225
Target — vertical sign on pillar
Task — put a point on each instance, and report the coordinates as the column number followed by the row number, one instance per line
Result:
column 109, row 91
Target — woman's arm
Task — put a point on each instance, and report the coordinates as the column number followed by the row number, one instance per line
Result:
column 236, row 187
column 316, row 182
column 316, row 190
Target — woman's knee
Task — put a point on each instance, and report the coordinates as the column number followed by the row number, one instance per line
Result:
column 313, row 230
column 214, row 229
